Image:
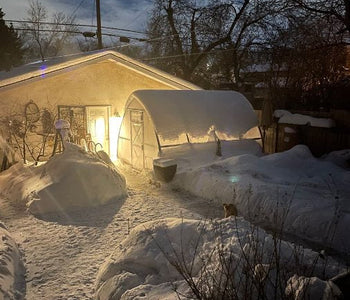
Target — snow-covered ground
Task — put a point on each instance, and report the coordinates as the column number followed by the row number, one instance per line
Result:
column 11, row 267
column 63, row 252
column 291, row 191
column 227, row 254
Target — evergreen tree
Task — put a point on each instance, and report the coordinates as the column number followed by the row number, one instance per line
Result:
column 10, row 46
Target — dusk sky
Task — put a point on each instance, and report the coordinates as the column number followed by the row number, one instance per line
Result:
column 128, row 14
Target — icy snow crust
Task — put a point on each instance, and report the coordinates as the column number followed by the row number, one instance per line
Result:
column 194, row 112
column 11, row 267
column 304, row 196
column 70, row 180
column 140, row 267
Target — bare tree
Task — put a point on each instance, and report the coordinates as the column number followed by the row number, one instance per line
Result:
column 186, row 33
column 339, row 9
column 47, row 36
column 300, row 73
column 28, row 130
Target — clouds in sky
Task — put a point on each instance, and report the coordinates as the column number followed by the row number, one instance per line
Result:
column 130, row 14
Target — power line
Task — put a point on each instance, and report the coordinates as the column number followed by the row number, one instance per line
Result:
column 139, row 40
column 85, row 25
column 49, row 30
column 78, row 25
column 76, row 32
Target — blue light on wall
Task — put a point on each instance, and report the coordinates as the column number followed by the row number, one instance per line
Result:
column 43, row 71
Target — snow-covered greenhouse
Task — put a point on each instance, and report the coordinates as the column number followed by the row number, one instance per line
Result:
column 156, row 120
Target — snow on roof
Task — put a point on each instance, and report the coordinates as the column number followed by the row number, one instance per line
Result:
column 262, row 68
column 38, row 69
column 257, row 68
column 299, row 119
column 195, row 112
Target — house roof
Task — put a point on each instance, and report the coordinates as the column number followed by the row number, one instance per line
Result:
column 197, row 113
column 51, row 66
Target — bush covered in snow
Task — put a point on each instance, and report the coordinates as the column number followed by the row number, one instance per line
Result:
column 11, row 267
column 223, row 259
column 70, row 180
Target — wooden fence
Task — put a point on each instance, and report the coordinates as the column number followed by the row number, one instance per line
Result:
column 281, row 137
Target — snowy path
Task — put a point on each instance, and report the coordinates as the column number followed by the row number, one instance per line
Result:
column 62, row 256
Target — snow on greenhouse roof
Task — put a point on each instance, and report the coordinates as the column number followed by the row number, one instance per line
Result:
column 194, row 112
column 39, row 69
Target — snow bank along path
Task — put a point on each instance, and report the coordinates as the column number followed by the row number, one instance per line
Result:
column 62, row 255
column 11, row 267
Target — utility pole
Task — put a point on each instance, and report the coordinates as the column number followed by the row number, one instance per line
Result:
column 98, row 15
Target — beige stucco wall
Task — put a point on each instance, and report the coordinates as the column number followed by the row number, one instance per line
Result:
column 104, row 82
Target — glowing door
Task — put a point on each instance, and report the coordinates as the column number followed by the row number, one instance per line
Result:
column 137, row 137
column 98, row 126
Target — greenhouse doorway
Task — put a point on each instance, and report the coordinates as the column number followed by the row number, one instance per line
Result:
column 137, row 139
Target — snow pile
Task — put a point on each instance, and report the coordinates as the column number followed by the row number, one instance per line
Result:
column 292, row 191
column 341, row 158
column 70, row 180
column 287, row 117
column 301, row 287
column 143, row 264
column 11, row 267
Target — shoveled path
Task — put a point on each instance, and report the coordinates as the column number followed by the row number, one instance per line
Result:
column 62, row 255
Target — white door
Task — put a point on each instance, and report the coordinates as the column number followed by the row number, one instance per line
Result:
column 137, row 139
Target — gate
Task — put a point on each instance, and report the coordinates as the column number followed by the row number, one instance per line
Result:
column 137, row 139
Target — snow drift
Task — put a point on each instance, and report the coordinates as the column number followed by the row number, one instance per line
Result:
column 70, row 180
column 11, row 267
column 306, row 197
column 142, row 266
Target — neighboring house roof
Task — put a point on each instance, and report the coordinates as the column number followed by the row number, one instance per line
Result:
column 177, row 112
column 50, row 67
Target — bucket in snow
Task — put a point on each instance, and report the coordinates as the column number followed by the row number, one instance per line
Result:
column 164, row 169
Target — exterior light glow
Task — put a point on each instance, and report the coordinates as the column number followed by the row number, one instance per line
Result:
column 114, row 125
column 100, row 130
